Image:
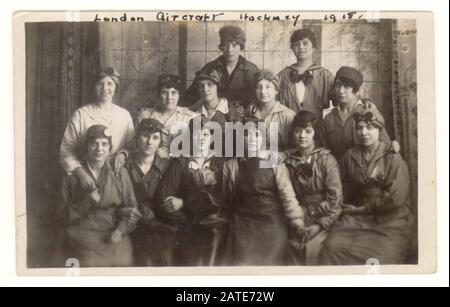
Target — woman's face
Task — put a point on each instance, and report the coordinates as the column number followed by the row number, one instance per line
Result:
column 202, row 139
column 344, row 94
column 148, row 143
column 169, row 97
column 253, row 140
column 367, row 134
column 207, row 90
column 265, row 91
column 304, row 137
column 231, row 51
column 303, row 49
column 105, row 89
column 98, row 150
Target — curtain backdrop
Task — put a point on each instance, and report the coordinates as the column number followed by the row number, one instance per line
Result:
column 404, row 97
column 61, row 62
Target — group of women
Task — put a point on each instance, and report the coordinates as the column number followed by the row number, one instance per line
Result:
column 337, row 194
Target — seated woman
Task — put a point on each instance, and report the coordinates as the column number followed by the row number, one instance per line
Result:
column 262, row 206
column 167, row 110
column 376, row 221
column 153, row 240
column 190, row 198
column 210, row 105
column 217, row 109
column 101, row 112
column 97, row 223
column 317, row 184
column 268, row 109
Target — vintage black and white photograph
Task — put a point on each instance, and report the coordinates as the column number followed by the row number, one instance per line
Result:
column 223, row 140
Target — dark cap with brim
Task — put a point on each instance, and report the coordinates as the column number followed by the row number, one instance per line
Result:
column 350, row 73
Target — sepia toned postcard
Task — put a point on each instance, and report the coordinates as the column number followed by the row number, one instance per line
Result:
column 224, row 143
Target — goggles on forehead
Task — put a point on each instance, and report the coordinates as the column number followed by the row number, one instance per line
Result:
column 170, row 78
column 264, row 75
column 109, row 72
column 151, row 126
column 367, row 117
column 212, row 76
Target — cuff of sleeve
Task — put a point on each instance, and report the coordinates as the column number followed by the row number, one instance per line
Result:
column 295, row 221
column 70, row 169
column 325, row 222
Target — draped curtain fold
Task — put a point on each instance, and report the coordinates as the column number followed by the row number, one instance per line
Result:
column 404, row 97
column 404, row 92
column 61, row 62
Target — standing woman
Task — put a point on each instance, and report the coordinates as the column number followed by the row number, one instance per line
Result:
column 153, row 239
column 305, row 85
column 96, row 224
column 237, row 72
column 268, row 109
column 317, row 183
column 376, row 221
column 102, row 112
column 190, row 198
column 167, row 111
column 262, row 206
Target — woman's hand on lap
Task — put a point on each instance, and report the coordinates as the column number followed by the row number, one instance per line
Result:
column 116, row 236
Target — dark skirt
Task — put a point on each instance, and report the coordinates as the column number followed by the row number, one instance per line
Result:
column 258, row 231
column 355, row 239
column 154, row 244
column 257, row 240
column 94, row 249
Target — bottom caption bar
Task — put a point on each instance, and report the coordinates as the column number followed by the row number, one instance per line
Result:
column 224, row 296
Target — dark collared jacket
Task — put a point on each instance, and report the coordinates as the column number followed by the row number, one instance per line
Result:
column 145, row 186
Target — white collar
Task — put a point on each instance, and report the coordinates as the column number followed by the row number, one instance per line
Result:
column 92, row 171
column 265, row 155
column 309, row 159
column 179, row 110
column 193, row 164
column 277, row 108
column 94, row 111
column 222, row 106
